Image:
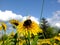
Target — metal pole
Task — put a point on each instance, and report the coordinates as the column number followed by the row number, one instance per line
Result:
column 42, row 10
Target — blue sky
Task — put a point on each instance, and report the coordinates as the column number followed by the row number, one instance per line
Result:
column 12, row 8
column 23, row 7
column 31, row 7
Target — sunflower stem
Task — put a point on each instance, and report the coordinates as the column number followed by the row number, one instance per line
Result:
column 28, row 38
column 2, row 37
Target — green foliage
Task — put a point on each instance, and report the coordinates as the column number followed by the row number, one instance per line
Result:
column 50, row 32
column 47, row 29
column 34, row 42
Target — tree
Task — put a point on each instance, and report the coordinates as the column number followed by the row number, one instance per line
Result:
column 47, row 29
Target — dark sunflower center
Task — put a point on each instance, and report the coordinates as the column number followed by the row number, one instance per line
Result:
column 3, row 27
column 27, row 23
column 16, row 24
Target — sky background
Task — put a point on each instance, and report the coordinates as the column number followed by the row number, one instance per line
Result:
column 30, row 7
column 19, row 9
column 23, row 7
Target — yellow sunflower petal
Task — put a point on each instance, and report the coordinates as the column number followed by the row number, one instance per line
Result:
column 0, row 27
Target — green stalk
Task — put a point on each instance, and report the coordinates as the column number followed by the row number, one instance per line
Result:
column 28, row 38
column 34, row 42
column 2, row 38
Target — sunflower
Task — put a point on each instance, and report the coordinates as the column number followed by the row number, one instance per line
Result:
column 28, row 26
column 57, row 38
column 12, row 34
column 3, row 26
column 14, row 23
column 55, row 44
column 0, row 27
column 44, row 42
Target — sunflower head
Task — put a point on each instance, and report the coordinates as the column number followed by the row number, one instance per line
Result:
column 27, row 23
column 57, row 41
column 57, row 38
column 12, row 34
column 14, row 23
column 28, row 26
column 0, row 27
column 4, row 26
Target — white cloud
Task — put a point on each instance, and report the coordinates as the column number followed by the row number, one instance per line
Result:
column 55, row 19
column 8, row 15
column 34, row 19
column 57, row 24
column 58, row 1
